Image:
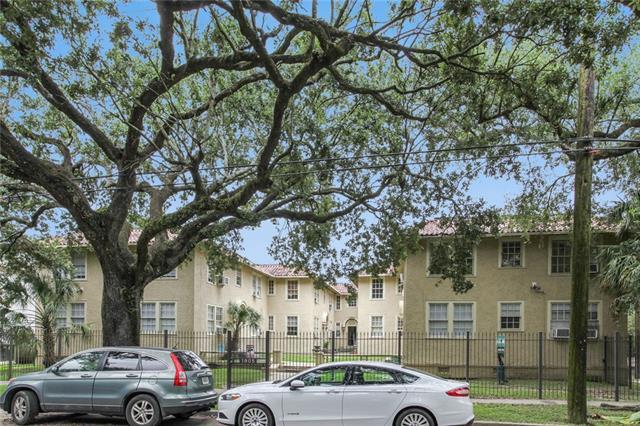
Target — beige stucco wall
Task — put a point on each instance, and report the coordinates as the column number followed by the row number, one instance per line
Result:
column 493, row 284
column 390, row 307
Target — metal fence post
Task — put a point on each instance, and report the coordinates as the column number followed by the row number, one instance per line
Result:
column 629, row 359
column 333, row 345
column 400, row 347
column 467, row 357
column 11, row 346
column 165, row 339
column 637, row 358
column 540, row 362
column 267, row 356
column 605, row 342
column 616, row 381
column 229, row 358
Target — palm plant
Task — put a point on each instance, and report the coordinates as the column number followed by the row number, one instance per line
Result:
column 240, row 316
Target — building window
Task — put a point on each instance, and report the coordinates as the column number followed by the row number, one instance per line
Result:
column 377, row 288
column 271, row 323
column 148, row 317
column 462, row 318
column 400, row 324
column 316, row 326
column 292, row 290
column 61, row 316
column 257, row 286
column 292, row 326
column 352, row 301
column 594, row 322
column 167, row 316
column 215, row 316
column 70, row 314
column 511, row 254
column 560, row 257
column 239, row 276
column 400, row 285
column 173, row 274
column 316, row 296
column 440, row 255
column 218, row 279
column 337, row 330
column 594, row 264
column 377, row 326
column 510, row 316
column 77, row 313
column 438, row 319
column 560, row 316
column 79, row 266
column 271, row 287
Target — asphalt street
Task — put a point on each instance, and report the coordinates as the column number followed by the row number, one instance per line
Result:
column 200, row 419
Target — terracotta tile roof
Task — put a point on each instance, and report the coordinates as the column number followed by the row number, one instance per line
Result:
column 436, row 228
column 276, row 270
column 343, row 289
column 389, row 272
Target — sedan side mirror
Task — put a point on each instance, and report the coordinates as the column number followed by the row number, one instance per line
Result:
column 296, row 384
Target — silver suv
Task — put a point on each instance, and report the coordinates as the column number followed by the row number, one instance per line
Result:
column 142, row 384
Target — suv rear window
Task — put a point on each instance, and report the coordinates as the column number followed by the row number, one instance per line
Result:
column 190, row 361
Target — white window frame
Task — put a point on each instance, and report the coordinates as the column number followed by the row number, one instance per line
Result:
column 450, row 317
column 297, row 325
column 400, row 324
column 522, row 253
column 377, row 280
column 238, row 281
column 474, row 257
column 381, row 332
column 338, row 302
column 271, row 323
column 271, row 285
column 522, row 304
column 256, row 284
column 352, row 301
column 86, row 268
column 171, row 275
column 217, row 324
column 68, row 318
column 337, row 329
column 400, row 286
column 597, row 302
column 550, row 256
column 158, row 317
column 286, row 296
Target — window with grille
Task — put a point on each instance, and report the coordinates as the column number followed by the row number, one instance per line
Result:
column 377, row 288
column 399, row 324
column 214, row 319
column 167, row 316
column 400, row 286
column 79, row 265
column 352, row 301
column 77, row 313
column 271, row 323
column 61, row 316
column 510, row 316
column 257, row 286
column 592, row 315
column 271, row 287
column 292, row 326
column 148, row 317
column 438, row 319
column 377, row 327
column 292, row 290
column 239, row 276
column 560, row 315
column 560, row 257
column 511, row 254
column 462, row 318
column 338, row 303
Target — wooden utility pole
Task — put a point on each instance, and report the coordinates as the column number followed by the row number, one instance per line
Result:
column 581, row 249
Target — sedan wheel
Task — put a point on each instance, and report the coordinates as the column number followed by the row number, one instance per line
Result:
column 255, row 415
column 415, row 417
column 143, row 410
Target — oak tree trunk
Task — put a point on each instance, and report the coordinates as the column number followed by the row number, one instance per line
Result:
column 581, row 251
column 121, row 299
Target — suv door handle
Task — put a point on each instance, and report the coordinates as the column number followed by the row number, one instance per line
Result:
column 131, row 376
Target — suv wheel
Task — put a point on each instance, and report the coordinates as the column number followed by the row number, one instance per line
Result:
column 24, row 407
column 255, row 415
column 143, row 410
column 415, row 417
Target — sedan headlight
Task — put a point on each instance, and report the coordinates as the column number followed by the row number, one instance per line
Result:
column 230, row 396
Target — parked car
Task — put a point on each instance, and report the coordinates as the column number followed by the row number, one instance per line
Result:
column 350, row 393
column 142, row 384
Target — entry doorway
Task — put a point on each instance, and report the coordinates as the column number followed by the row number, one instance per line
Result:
column 352, row 333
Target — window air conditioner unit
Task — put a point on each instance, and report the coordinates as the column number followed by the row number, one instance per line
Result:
column 561, row 333
column 592, row 333
column 223, row 282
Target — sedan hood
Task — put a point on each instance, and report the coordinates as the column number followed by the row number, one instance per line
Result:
column 255, row 387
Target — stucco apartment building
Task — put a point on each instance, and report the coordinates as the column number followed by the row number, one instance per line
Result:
column 190, row 298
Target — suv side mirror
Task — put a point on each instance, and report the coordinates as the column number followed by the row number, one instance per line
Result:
column 296, row 384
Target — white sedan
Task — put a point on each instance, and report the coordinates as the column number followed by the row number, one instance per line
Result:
column 350, row 394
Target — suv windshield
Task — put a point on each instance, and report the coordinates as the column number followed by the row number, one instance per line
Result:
column 190, row 361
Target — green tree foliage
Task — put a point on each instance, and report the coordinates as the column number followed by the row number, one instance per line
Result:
column 241, row 317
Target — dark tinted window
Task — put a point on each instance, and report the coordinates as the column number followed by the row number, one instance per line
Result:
column 190, row 361
column 372, row 376
column 121, row 361
column 84, row 362
column 152, row 364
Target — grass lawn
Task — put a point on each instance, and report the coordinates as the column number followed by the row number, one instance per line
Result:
column 528, row 389
column 2, row 388
column 538, row 414
column 17, row 370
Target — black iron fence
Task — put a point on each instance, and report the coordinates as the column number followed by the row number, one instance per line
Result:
column 497, row 365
